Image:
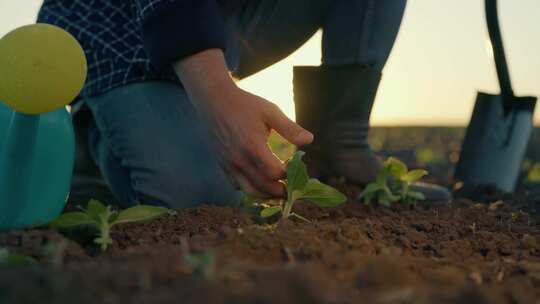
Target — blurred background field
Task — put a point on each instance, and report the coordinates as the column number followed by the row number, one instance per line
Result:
column 439, row 62
column 435, row 148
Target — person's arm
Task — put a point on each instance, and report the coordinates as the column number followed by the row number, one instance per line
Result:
column 188, row 35
column 241, row 122
column 174, row 29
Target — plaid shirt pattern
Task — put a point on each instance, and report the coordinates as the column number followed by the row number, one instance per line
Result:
column 110, row 33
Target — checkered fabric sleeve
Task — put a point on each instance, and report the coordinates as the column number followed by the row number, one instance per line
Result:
column 127, row 41
column 173, row 29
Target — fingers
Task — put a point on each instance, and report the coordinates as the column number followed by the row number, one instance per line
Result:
column 242, row 183
column 256, row 181
column 287, row 128
column 262, row 158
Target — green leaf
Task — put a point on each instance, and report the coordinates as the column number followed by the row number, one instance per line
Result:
column 416, row 195
column 296, row 195
column 113, row 216
column 268, row 212
column 414, row 175
column 368, row 197
column 18, row 260
column 297, row 175
column 383, row 199
column 397, row 167
column 390, row 196
column 71, row 220
column 382, row 176
column 96, row 209
column 370, row 188
column 370, row 191
column 140, row 213
column 322, row 194
column 8, row 259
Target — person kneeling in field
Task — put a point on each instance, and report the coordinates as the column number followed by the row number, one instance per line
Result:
column 163, row 120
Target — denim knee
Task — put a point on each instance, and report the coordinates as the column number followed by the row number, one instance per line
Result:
column 175, row 186
column 153, row 149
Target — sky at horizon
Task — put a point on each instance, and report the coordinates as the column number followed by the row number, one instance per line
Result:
column 439, row 62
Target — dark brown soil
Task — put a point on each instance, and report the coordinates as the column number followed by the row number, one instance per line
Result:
column 463, row 252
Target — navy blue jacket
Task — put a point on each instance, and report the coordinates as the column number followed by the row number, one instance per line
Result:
column 135, row 40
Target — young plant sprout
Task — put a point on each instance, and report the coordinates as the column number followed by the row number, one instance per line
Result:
column 102, row 218
column 393, row 184
column 301, row 187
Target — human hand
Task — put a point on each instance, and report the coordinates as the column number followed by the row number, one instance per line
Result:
column 241, row 123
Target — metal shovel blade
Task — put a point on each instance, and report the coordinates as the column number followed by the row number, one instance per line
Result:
column 500, row 126
column 495, row 142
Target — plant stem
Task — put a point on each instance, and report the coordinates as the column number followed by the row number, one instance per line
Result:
column 300, row 217
column 104, row 230
column 287, row 208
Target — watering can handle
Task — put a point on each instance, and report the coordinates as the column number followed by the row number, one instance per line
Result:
column 498, row 50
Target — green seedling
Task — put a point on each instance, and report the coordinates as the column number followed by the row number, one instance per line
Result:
column 301, row 187
column 9, row 259
column 203, row 263
column 393, row 184
column 102, row 218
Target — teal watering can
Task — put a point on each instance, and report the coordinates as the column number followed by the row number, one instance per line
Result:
column 42, row 69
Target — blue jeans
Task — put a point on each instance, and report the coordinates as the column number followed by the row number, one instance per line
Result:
column 149, row 143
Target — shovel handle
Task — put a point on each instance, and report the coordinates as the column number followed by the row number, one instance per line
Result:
column 498, row 50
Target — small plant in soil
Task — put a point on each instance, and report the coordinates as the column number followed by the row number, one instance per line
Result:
column 300, row 187
column 393, row 184
column 102, row 218
column 7, row 258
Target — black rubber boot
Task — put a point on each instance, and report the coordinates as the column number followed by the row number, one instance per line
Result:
column 335, row 103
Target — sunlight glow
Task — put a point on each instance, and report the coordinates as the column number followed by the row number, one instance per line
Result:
column 434, row 72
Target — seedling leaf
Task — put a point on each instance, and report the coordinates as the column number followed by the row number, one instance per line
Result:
column 102, row 218
column 368, row 197
column 140, row 213
column 416, row 195
column 414, row 175
column 9, row 259
column 383, row 200
column 270, row 211
column 72, row 220
column 392, row 198
column 382, row 176
column 95, row 208
column 297, row 175
column 397, row 167
column 300, row 186
column 370, row 188
column 321, row 194
column 393, row 184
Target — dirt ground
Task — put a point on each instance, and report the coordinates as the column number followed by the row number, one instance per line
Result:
column 464, row 252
